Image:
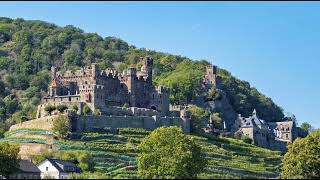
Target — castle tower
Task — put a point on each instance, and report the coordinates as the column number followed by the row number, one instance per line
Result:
column 131, row 83
column 95, row 70
column 210, row 77
column 146, row 68
column 185, row 116
column 53, row 72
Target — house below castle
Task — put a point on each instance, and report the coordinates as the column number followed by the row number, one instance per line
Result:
column 272, row 135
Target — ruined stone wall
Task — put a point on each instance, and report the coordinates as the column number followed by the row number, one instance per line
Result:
column 88, row 123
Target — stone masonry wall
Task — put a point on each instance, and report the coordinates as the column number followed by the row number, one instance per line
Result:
column 88, row 122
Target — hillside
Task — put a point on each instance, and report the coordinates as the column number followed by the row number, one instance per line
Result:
column 115, row 153
column 29, row 48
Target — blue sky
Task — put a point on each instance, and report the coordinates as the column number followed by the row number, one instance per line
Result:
column 272, row 45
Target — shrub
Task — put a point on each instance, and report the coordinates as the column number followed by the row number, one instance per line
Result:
column 86, row 109
column 246, row 139
column 61, row 108
column 75, row 108
column 126, row 105
column 50, row 108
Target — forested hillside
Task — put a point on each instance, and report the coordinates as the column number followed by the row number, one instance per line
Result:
column 29, row 48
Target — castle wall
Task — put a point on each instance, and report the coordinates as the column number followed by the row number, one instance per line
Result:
column 88, row 122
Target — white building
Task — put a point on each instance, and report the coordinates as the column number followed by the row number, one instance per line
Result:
column 57, row 169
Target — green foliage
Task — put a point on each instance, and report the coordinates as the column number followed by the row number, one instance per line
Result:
column 50, row 108
column 246, row 139
column 185, row 81
column 302, row 161
column 75, row 108
column 306, row 127
column 217, row 121
column 61, row 108
column 81, row 159
column 9, row 159
column 88, row 175
column 126, row 105
column 167, row 153
column 199, row 118
column 61, row 126
column 86, row 109
column 244, row 98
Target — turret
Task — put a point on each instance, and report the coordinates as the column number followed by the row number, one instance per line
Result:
column 53, row 72
column 185, row 116
column 146, row 68
column 95, row 70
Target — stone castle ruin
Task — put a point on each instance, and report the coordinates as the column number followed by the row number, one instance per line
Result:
column 127, row 99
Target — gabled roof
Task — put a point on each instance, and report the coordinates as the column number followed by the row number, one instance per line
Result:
column 27, row 166
column 61, row 165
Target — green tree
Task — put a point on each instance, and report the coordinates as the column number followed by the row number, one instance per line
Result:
column 86, row 109
column 9, row 159
column 50, row 108
column 167, row 153
column 61, row 126
column 302, row 161
column 199, row 118
column 306, row 127
column 82, row 159
column 216, row 120
column 61, row 108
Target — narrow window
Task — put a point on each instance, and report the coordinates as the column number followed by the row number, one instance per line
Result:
column 47, row 168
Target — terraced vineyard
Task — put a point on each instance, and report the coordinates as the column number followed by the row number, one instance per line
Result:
column 115, row 154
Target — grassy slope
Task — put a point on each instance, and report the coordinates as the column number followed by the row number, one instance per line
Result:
column 115, row 154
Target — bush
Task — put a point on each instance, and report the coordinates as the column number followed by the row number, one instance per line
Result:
column 61, row 108
column 246, row 139
column 86, row 109
column 126, row 105
column 50, row 108
column 75, row 108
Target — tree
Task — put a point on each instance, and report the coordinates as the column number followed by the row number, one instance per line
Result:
column 86, row 109
column 9, row 159
column 306, row 127
column 62, row 108
column 302, row 161
column 82, row 159
column 167, row 153
column 50, row 108
column 199, row 118
column 61, row 126
column 216, row 120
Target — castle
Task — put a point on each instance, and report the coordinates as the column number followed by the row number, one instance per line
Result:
column 126, row 99
column 104, row 88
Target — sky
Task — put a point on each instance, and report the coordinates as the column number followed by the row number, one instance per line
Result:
column 272, row 45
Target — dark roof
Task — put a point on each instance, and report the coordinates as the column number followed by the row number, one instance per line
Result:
column 27, row 166
column 61, row 165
